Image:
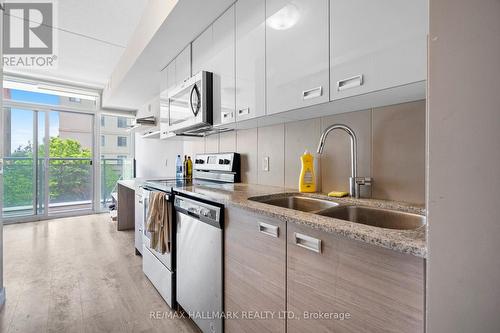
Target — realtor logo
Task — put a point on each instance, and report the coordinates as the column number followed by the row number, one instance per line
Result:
column 28, row 31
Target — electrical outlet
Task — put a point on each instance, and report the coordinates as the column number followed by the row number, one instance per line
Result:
column 265, row 163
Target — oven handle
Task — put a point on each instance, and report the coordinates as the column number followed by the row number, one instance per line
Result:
column 196, row 109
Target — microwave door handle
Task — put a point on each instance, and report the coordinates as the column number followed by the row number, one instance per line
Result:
column 195, row 109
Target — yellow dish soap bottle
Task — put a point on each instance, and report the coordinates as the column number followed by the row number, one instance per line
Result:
column 307, row 181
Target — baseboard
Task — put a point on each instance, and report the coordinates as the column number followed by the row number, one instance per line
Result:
column 2, row 297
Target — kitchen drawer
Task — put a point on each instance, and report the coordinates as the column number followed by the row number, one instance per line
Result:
column 158, row 274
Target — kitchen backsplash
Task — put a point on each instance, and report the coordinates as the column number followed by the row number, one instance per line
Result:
column 391, row 149
column 155, row 159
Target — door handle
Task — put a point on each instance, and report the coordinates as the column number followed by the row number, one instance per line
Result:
column 312, row 93
column 307, row 242
column 194, row 93
column 351, row 82
column 269, row 229
column 244, row 111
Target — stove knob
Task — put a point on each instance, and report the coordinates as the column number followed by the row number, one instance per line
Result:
column 221, row 161
column 227, row 161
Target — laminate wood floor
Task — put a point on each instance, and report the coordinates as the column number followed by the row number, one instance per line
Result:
column 79, row 274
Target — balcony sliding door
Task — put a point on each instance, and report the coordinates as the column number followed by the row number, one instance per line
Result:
column 70, row 170
column 20, row 185
column 47, row 163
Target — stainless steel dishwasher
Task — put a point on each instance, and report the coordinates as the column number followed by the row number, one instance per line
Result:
column 199, row 239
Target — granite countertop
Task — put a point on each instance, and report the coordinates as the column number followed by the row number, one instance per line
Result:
column 132, row 184
column 236, row 195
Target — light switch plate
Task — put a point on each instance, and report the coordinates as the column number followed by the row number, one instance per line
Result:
column 265, row 163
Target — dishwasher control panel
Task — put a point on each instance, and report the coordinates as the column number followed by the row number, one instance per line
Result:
column 198, row 210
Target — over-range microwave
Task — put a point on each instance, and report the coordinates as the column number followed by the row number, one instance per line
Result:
column 190, row 105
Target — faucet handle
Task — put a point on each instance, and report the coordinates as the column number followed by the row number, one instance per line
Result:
column 367, row 181
column 355, row 184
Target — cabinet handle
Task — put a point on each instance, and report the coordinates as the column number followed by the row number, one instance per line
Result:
column 244, row 111
column 269, row 229
column 351, row 82
column 312, row 93
column 227, row 114
column 307, row 242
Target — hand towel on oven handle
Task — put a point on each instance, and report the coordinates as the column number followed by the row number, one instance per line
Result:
column 158, row 222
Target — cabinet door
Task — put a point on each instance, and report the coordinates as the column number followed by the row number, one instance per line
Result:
column 376, row 45
column 202, row 51
column 250, row 59
column 167, row 81
column 379, row 289
column 171, row 79
column 223, row 66
column 310, row 278
column 254, row 270
column 297, row 54
column 183, row 65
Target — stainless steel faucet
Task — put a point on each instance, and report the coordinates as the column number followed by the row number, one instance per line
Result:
column 354, row 181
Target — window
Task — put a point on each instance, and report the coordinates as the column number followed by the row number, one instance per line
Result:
column 103, row 140
column 122, row 122
column 122, row 141
column 103, row 121
column 121, row 158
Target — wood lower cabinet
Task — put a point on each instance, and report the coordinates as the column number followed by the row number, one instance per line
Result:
column 126, row 208
column 255, row 271
column 379, row 289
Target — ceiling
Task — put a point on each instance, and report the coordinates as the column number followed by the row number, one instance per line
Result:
column 91, row 37
column 136, row 79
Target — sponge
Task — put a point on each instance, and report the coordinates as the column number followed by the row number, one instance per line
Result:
column 338, row 194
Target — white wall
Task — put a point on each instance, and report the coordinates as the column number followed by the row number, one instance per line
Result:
column 156, row 158
column 463, row 275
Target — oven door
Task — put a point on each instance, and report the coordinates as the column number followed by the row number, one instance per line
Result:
column 165, row 258
column 190, row 105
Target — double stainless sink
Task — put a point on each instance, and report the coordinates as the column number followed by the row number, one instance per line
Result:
column 377, row 217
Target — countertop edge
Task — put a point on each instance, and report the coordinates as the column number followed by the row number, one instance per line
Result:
column 399, row 242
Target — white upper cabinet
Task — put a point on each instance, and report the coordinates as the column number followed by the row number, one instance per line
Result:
column 250, row 59
column 376, row 45
column 203, row 51
column 213, row 51
column 223, row 66
column 164, row 89
column 183, row 65
column 297, row 54
column 171, row 80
